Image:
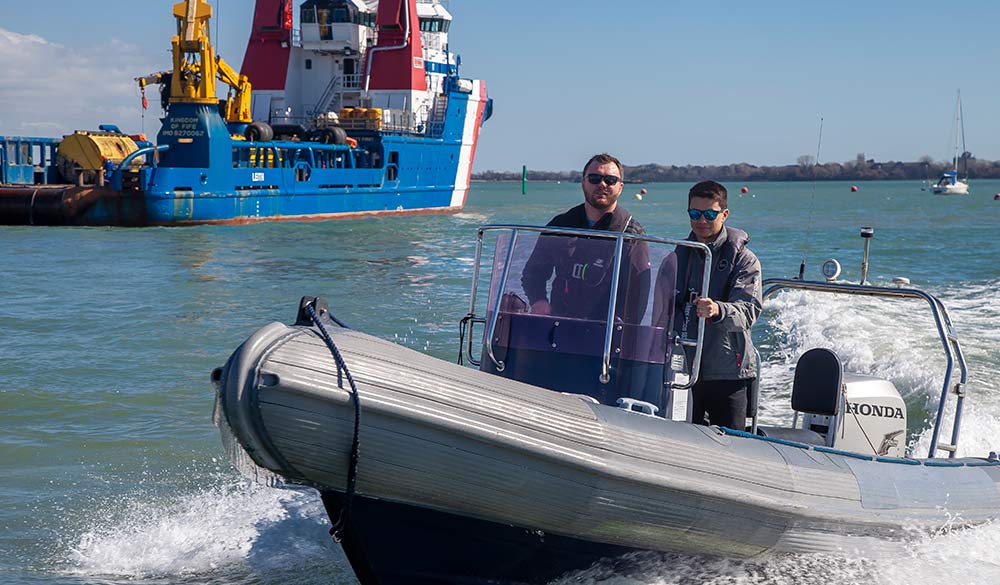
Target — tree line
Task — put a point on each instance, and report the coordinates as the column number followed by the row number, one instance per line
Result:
column 860, row 169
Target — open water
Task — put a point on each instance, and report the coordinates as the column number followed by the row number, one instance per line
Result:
column 111, row 471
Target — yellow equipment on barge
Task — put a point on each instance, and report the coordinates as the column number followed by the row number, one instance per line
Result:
column 83, row 155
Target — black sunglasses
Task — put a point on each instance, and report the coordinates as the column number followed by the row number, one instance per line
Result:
column 609, row 180
column 710, row 214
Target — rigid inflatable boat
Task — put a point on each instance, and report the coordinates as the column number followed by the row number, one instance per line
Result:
column 571, row 443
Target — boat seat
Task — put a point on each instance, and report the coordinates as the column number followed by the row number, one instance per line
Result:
column 819, row 379
column 796, row 435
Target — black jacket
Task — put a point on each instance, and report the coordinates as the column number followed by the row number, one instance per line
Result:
column 583, row 268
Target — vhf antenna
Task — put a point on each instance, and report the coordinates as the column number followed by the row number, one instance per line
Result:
column 812, row 199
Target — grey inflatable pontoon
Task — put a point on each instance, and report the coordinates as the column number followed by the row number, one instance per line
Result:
column 435, row 472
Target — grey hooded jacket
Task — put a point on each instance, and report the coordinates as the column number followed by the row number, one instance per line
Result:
column 735, row 284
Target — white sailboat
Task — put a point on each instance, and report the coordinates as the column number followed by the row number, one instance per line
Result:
column 949, row 183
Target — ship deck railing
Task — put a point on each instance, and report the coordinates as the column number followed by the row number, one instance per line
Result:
column 27, row 160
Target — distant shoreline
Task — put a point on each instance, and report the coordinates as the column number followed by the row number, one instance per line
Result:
column 858, row 170
column 475, row 180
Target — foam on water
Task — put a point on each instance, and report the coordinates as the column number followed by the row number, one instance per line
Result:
column 863, row 332
column 476, row 218
column 966, row 556
column 896, row 340
column 231, row 529
column 975, row 312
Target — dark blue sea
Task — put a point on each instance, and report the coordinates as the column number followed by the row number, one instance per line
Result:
column 111, row 471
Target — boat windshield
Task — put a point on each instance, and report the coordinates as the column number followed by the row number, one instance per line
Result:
column 582, row 311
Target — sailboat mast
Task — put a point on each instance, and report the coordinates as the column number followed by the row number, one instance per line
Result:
column 961, row 123
column 955, row 131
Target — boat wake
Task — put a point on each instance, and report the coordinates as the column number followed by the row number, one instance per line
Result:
column 863, row 329
column 241, row 531
column 228, row 533
column 469, row 217
column 930, row 560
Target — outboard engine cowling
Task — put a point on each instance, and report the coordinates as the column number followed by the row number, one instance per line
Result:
column 874, row 417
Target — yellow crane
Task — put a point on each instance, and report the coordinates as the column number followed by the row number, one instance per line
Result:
column 196, row 66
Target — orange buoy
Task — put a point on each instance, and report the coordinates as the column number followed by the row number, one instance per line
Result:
column 744, row 190
column 854, row 188
column 642, row 191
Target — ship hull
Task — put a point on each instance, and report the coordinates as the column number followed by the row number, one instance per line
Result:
column 206, row 176
column 72, row 206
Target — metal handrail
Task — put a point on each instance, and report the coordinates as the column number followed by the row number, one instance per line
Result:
column 141, row 152
column 620, row 237
column 470, row 317
column 949, row 340
column 496, row 313
column 609, row 330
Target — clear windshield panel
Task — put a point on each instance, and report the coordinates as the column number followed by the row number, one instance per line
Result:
column 552, row 306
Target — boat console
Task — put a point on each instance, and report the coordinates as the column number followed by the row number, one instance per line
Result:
column 582, row 312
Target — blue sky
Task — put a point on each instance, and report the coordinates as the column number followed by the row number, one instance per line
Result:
column 651, row 81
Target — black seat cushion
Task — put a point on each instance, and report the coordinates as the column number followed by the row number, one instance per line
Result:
column 819, row 376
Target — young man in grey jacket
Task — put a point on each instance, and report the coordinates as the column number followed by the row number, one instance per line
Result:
column 729, row 362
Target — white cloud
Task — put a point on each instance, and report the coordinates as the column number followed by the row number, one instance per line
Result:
column 49, row 89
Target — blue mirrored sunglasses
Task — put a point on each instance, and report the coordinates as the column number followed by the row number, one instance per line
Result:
column 710, row 214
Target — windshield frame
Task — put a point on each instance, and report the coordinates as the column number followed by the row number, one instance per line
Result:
column 620, row 238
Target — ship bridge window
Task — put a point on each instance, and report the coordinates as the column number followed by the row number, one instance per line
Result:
column 434, row 25
column 323, row 18
column 327, row 12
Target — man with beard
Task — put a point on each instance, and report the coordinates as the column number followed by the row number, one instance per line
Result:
column 583, row 267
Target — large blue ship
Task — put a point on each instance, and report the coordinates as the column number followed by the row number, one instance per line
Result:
column 358, row 111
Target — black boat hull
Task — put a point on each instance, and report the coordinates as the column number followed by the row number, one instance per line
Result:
column 397, row 544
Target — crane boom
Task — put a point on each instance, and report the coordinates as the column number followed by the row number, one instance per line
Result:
column 198, row 67
column 238, row 99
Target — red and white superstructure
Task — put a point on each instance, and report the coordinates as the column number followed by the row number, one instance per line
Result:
column 345, row 108
column 393, row 55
